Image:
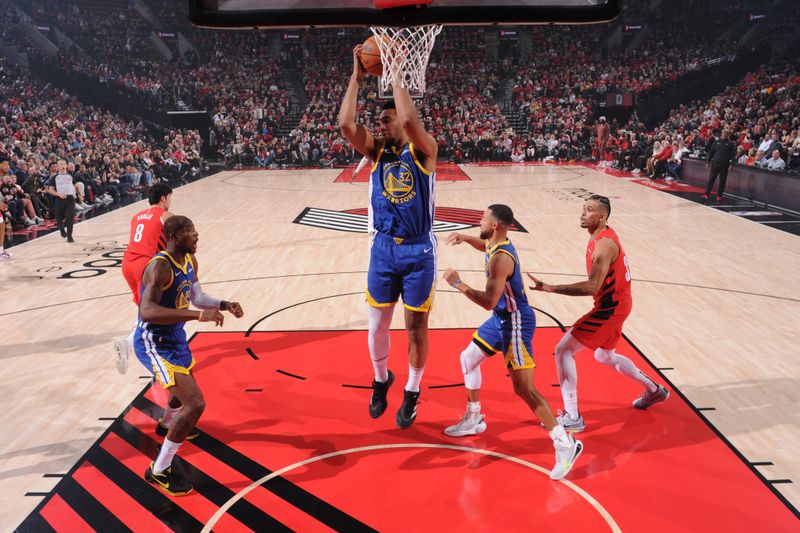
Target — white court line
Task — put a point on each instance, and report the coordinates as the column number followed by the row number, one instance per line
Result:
column 612, row 524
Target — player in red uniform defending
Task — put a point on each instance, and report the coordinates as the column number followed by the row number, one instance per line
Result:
column 601, row 328
column 145, row 241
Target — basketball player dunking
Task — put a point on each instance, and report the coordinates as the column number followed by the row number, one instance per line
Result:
column 169, row 284
column 509, row 330
column 403, row 248
column 601, row 328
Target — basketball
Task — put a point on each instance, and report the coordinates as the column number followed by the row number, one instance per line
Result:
column 370, row 57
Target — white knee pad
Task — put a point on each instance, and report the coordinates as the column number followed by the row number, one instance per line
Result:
column 606, row 357
column 471, row 359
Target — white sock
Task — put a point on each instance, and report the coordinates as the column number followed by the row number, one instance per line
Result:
column 570, row 401
column 169, row 415
column 414, row 378
column 164, row 460
column 473, row 407
column 624, row 366
column 560, row 437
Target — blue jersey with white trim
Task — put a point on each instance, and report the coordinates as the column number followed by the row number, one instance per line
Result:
column 514, row 296
column 401, row 194
column 176, row 295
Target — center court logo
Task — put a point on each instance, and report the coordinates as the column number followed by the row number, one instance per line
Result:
column 446, row 219
column 398, row 182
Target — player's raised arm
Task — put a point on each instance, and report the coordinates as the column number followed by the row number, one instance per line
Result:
column 358, row 135
column 501, row 267
column 424, row 143
column 601, row 261
column 157, row 277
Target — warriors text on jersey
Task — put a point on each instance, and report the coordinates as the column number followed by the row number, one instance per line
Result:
column 162, row 348
column 175, row 295
column 401, row 194
column 403, row 249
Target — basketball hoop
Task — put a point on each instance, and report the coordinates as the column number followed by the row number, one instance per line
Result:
column 404, row 54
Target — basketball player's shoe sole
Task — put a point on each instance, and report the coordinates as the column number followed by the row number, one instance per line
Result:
column 466, row 426
column 123, row 355
column 378, row 403
column 649, row 398
column 162, row 430
column 408, row 410
column 168, row 481
column 565, row 459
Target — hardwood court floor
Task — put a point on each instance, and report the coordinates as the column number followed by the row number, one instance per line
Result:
column 715, row 303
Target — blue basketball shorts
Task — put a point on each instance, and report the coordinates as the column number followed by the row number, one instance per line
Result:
column 406, row 269
column 164, row 355
column 510, row 334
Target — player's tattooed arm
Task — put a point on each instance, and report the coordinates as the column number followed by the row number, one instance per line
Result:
column 601, row 261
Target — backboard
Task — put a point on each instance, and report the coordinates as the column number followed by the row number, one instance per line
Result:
column 340, row 13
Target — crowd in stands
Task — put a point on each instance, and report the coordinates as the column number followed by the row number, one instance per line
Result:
column 241, row 80
column 108, row 157
column 761, row 113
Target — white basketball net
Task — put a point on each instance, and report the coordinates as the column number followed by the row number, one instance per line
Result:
column 404, row 54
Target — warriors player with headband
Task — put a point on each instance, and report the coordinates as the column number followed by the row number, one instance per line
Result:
column 509, row 330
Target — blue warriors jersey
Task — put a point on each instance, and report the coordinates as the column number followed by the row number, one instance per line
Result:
column 401, row 194
column 176, row 295
column 514, row 297
column 510, row 328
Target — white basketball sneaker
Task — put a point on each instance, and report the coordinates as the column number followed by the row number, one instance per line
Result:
column 123, row 354
column 470, row 424
column 566, row 457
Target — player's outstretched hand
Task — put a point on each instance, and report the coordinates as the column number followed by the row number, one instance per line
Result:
column 454, row 238
column 235, row 309
column 212, row 315
column 538, row 285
